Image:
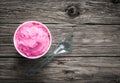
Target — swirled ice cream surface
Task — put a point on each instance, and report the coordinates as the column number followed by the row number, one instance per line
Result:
column 32, row 39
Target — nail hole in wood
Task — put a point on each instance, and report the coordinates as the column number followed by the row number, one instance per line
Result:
column 115, row 1
column 72, row 10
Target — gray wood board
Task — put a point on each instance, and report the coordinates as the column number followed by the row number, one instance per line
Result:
column 91, row 11
column 64, row 69
column 89, row 40
column 96, row 49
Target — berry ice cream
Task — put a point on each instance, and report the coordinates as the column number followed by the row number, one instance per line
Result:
column 32, row 39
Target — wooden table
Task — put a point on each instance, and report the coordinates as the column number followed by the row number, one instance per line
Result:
column 95, row 25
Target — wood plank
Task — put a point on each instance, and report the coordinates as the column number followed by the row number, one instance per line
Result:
column 89, row 40
column 104, row 35
column 66, row 69
column 91, row 11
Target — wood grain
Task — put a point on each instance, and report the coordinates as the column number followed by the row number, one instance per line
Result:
column 91, row 11
column 96, row 49
column 89, row 40
column 66, row 69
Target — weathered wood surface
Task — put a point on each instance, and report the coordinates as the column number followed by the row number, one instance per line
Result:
column 61, row 70
column 96, row 50
column 89, row 40
column 91, row 11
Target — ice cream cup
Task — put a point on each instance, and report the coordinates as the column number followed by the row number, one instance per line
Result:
column 32, row 39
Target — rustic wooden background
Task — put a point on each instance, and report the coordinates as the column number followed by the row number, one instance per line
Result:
column 96, row 50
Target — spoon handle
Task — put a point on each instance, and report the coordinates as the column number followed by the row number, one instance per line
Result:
column 40, row 64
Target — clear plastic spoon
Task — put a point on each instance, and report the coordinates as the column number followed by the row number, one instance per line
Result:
column 63, row 46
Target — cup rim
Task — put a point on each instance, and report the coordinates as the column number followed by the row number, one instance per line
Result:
column 24, row 54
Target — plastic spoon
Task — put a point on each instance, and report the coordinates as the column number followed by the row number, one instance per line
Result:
column 63, row 46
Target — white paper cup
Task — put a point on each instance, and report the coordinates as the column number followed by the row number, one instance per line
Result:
column 32, row 39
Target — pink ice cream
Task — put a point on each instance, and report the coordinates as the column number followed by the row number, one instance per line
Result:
column 32, row 39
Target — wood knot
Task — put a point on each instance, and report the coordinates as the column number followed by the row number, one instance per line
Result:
column 68, row 71
column 72, row 10
column 115, row 1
